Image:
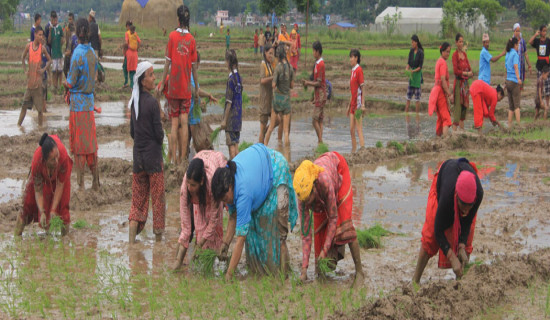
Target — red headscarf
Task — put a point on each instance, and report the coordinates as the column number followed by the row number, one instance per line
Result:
column 465, row 190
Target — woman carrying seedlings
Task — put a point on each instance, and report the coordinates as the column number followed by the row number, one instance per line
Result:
column 257, row 187
column 199, row 211
column 485, row 100
column 148, row 175
column 266, row 90
column 325, row 195
column 232, row 115
column 439, row 96
column 48, row 190
column 283, row 81
column 357, row 101
column 513, row 80
column 461, row 94
column 455, row 196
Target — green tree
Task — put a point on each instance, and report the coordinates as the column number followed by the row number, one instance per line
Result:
column 7, row 9
column 280, row 7
column 538, row 12
column 391, row 21
column 301, row 6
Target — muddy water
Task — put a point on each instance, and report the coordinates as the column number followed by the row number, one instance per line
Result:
column 113, row 114
column 10, row 189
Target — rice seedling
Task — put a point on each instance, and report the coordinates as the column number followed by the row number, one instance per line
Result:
column 326, row 266
column 358, row 114
column 215, row 134
column 56, row 225
column 547, row 306
column 204, row 261
column 244, row 145
column 80, row 224
column 370, row 238
column 379, row 144
column 321, row 148
column 398, row 146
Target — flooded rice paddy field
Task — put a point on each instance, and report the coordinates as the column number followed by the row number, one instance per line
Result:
column 94, row 273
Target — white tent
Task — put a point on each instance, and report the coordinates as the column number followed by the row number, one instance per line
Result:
column 415, row 20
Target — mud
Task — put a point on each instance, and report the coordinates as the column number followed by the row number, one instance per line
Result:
column 482, row 287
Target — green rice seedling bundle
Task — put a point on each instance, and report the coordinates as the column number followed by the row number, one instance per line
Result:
column 80, row 224
column 358, row 114
column 326, row 265
column 321, row 148
column 370, row 238
column 215, row 134
column 204, row 261
column 56, row 225
column 244, row 145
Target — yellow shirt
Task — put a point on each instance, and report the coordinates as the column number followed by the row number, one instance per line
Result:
column 133, row 40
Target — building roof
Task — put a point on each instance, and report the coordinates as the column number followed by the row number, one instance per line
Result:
column 413, row 15
column 345, row 25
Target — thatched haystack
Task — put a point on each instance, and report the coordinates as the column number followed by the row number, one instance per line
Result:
column 156, row 14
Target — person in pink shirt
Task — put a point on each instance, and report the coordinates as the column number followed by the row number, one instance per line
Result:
column 485, row 100
column 199, row 211
column 440, row 94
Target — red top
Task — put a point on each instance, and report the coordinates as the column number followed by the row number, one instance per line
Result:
column 255, row 40
column 319, row 75
column 460, row 65
column 441, row 70
column 181, row 50
column 298, row 42
column 356, row 80
column 39, row 170
column 488, row 97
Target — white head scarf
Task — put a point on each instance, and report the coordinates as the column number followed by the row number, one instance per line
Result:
column 516, row 25
column 141, row 68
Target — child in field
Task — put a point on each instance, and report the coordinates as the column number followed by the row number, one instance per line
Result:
column 133, row 43
column 34, row 95
column 227, row 40
column 540, row 102
column 232, row 115
column 283, row 81
column 357, row 81
column 261, row 41
column 320, row 96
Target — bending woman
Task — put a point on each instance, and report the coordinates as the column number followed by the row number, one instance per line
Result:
column 485, row 100
column 257, row 186
column 455, row 196
column 324, row 188
column 199, row 211
column 48, row 190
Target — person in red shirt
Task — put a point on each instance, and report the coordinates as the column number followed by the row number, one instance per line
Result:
column 298, row 42
column 320, row 96
column 48, row 190
column 356, row 84
column 181, row 56
column 485, row 100
column 439, row 96
column 256, row 42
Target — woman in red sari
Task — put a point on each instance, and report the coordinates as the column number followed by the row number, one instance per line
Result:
column 48, row 190
column 462, row 71
column 439, row 96
column 324, row 188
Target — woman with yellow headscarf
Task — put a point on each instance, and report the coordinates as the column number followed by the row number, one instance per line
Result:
column 324, row 188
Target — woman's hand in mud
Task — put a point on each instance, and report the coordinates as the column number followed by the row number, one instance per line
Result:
column 43, row 221
column 222, row 256
column 462, row 256
column 455, row 264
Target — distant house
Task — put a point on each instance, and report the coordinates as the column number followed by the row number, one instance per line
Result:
column 222, row 15
column 415, row 20
column 342, row 26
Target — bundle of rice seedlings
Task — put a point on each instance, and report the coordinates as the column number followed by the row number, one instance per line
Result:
column 204, row 261
column 244, row 145
column 215, row 134
column 470, row 265
column 80, row 224
column 358, row 114
column 56, row 225
column 326, row 265
column 370, row 238
column 321, row 148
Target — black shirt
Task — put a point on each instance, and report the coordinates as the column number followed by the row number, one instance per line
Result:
column 418, row 61
column 543, row 50
column 267, row 35
column 444, row 218
column 94, row 37
column 148, row 135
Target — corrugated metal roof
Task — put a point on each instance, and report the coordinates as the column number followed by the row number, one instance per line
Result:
column 345, row 25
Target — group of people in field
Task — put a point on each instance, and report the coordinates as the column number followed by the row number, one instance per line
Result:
column 451, row 103
column 263, row 200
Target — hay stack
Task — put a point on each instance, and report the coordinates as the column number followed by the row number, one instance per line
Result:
column 156, row 14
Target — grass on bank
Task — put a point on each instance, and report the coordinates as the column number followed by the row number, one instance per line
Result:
column 45, row 278
column 535, row 134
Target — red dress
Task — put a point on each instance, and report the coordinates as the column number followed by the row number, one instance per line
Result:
column 40, row 179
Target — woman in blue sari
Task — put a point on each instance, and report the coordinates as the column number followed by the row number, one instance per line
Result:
column 257, row 187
